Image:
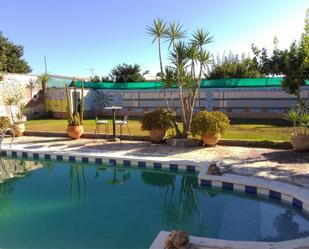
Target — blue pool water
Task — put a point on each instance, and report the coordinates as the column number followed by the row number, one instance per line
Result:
column 64, row 205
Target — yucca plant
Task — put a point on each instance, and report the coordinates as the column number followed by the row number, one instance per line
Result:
column 188, row 60
column 16, row 118
column 300, row 118
column 75, row 117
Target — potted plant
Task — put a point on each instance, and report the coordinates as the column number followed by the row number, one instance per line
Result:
column 75, row 117
column 300, row 136
column 157, row 123
column 18, row 119
column 210, row 126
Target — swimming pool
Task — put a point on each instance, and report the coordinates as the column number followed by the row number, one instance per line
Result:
column 75, row 205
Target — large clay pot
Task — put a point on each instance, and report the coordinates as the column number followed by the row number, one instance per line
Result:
column 300, row 142
column 157, row 135
column 19, row 129
column 75, row 132
column 211, row 139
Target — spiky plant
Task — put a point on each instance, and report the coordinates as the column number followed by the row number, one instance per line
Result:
column 75, row 118
column 32, row 84
column 44, row 80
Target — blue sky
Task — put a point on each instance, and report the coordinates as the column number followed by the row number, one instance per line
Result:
column 76, row 35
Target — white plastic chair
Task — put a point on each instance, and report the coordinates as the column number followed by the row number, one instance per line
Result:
column 123, row 122
column 100, row 122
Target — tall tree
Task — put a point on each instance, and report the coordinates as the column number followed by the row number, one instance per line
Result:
column 293, row 62
column 158, row 31
column 11, row 60
column 233, row 66
column 127, row 73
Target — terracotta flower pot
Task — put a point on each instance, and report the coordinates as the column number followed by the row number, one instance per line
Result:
column 19, row 129
column 157, row 135
column 211, row 139
column 75, row 132
column 300, row 142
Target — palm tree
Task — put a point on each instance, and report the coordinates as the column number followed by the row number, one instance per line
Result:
column 43, row 78
column 158, row 31
column 101, row 100
column 32, row 84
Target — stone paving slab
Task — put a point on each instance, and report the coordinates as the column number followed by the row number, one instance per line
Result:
column 280, row 165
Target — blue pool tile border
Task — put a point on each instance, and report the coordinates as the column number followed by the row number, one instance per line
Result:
column 126, row 163
column 157, row 165
column 173, row 166
column 112, row 162
column 274, row 195
column 250, row 190
column 190, row 168
column 47, row 156
column 205, row 183
column 98, row 160
column 141, row 164
column 36, row 155
column 59, row 157
column 297, row 203
column 227, row 185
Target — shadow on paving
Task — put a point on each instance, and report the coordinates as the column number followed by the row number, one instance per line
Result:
column 287, row 156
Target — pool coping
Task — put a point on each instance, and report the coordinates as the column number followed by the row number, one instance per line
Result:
column 209, row 243
column 296, row 196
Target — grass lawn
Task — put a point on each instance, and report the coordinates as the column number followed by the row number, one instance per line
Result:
column 251, row 131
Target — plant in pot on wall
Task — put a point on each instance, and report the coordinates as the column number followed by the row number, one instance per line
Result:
column 75, row 115
column 157, row 123
column 17, row 115
column 300, row 136
column 210, row 126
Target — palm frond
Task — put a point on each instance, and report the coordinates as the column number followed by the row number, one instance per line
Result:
column 175, row 32
column 157, row 30
column 201, row 37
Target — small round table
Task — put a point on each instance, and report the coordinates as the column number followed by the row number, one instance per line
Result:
column 113, row 108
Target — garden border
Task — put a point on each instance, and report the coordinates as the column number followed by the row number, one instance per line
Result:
column 223, row 142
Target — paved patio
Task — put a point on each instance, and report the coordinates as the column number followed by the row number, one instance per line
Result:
column 280, row 165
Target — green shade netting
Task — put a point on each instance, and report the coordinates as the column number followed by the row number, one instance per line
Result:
column 221, row 83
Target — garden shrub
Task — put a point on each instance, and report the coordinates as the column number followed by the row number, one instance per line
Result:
column 159, row 119
column 209, row 122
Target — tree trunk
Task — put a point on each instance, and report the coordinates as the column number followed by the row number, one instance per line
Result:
column 161, row 69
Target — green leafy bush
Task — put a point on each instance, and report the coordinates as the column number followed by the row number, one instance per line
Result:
column 209, row 122
column 159, row 119
column 4, row 122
